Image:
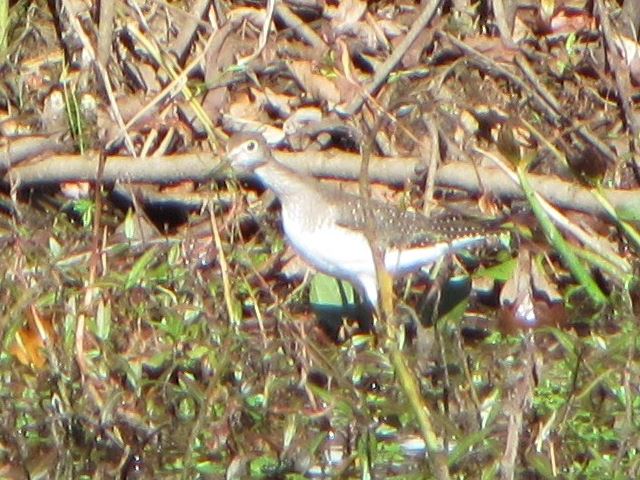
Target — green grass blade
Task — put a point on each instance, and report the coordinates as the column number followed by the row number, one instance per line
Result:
column 558, row 242
column 630, row 232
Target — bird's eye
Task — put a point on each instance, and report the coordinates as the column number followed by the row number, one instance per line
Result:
column 251, row 145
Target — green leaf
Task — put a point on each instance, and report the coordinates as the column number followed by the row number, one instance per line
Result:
column 555, row 238
column 630, row 232
column 500, row 272
column 329, row 291
column 140, row 268
column 467, row 444
column 129, row 225
column 210, row 468
column 85, row 208
column 102, row 323
column 55, row 247
column 568, row 341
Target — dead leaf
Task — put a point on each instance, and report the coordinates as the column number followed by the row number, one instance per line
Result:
column 32, row 339
column 565, row 22
column 277, row 102
column 75, row 190
column 273, row 135
column 529, row 299
column 345, row 18
column 243, row 107
column 256, row 16
column 301, row 117
column 317, row 86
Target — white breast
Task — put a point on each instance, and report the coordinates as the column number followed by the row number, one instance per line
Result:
column 329, row 248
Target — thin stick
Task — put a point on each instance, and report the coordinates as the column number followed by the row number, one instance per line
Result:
column 224, row 268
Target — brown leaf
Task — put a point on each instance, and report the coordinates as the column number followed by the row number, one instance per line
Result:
column 492, row 47
column 31, row 340
column 256, row 16
column 346, row 17
column 75, row 190
column 317, row 86
column 565, row 22
column 277, row 102
column 529, row 299
column 301, row 117
column 272, row 134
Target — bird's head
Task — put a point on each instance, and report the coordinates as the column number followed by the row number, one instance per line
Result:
column 247, row 151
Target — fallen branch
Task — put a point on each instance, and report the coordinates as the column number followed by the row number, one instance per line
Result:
column 329, row 163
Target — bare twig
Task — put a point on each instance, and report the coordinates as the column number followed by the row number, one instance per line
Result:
column 224, row 270
column 104, row 76
column 180, row 46
column 105, row 32
column 383, row 72
column 541, row 97
column 291, row 20
column 264, row 34
column 623, row 82
column 28, row 147
column 581, row 130
column 432, row 163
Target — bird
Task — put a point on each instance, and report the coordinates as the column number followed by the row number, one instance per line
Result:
column 331, row 229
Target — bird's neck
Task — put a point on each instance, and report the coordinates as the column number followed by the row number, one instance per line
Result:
column 285, row 183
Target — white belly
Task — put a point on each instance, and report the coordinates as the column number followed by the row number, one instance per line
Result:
column 401, row 262
column 335, row 251
column 346, row 254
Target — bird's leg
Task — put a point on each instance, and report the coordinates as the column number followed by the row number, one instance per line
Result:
column 429, row 307
column 385, row 287
column 366, row 315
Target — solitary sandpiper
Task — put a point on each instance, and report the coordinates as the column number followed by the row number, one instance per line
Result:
column 331, row 229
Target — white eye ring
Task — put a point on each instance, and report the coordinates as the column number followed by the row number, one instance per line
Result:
column 251, row 145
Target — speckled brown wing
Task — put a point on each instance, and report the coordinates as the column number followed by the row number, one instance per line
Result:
column 396, row 227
